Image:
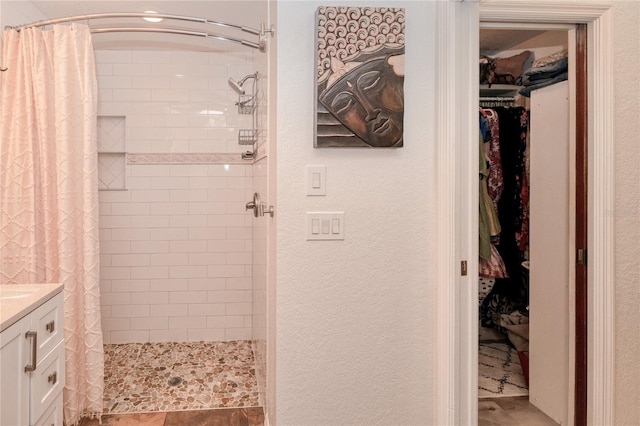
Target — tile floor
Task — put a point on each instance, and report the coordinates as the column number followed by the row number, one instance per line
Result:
column 514, row 411
column 170, row 376
column 251, row 416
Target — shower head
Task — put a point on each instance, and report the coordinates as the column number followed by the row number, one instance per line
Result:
column 237, row 85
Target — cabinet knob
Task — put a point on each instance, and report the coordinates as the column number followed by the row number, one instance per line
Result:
column 53, row 378
column 50, row 326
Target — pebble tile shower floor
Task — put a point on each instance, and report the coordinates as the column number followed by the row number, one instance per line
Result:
column 213, row 375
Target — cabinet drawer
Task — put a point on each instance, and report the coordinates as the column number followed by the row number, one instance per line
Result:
column 47, row 381
column 47, row 321
column 53, row 415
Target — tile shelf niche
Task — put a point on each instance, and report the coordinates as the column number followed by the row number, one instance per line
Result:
column 112, row 153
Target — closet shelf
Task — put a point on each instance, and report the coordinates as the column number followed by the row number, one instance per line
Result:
column 499, row 90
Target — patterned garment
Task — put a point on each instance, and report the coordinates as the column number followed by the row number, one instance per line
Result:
column 495, row 183
column 494, row 266
column 485, row 285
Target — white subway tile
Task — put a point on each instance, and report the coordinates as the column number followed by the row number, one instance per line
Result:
column 190, row 195
column 226, row 271
column 114, row 108
column 169, row 284
column 169, row 95
column 104, row 209
column 188, row 108
column 129, row 209
column 209, row 284
column 113, row 324
column 186, row 221
column 229, row 296
column 210, row 95
column 150, row 195
column 187, row 322
column 188, row 133
column 242, row 283
column 132, row 95
column 105, row 95
column 149, row 82
column 227, row 195
column 172, row 259
column 114, row 221
column 138, row 182
column 114, row 196
column 189, row 83
column 207, row 145
column 169, row 146
column 129, row 286
column 150, row 297
column 207, row 309
column 104, row 234
column 151, row 323
column 150, row 170
column 207, row 233
column 114, row 273
column 233, row 220
column 237, row 208
column 219, row 182
column 104, row 69
column 239, row 233
column 238, row 308
column 238, row 334
column 149, row 247
column 225, row 246
column 189, row 170
column 149, row 133
column 187, row 246
column 248, row 321
column 151, row 107
column 138, row 119
column 239, row 258
column 170, row 120
column 131, row 69
column 115, row 298
column 195, row 58
column 114, row 82
column 131, row 234
column 225, row 321
column 105, row 259
column 169, row 208
column 207, row 258
column 130, row 259
column 214, row 207
column 113, row 56
column 149, row 221
column 205, row 334
column 169, row 234
column 178, row 335
column 129, row 311
column 198, row 183
column 151, row 57
column 150, row 272
column 119, row 247
column 188, row 272
column 106, row 337
column 188, row 297
column 132, row 336
column 169, row 182
column 105, row 286
column 169, row 310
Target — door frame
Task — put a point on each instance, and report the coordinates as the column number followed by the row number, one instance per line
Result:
column 455, row 372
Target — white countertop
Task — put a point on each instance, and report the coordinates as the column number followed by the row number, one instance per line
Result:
column 17, row 300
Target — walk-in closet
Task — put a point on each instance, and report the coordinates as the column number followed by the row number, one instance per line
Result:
column 526, row 231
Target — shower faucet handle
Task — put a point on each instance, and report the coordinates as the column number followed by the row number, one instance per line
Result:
column 259, row 208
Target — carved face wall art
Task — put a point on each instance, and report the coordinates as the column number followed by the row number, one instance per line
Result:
column 360, row 77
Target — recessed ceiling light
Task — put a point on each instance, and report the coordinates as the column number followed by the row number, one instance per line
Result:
column 149, row 19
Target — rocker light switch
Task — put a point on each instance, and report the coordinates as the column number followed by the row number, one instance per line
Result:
column 325, row 225
column 316, row 180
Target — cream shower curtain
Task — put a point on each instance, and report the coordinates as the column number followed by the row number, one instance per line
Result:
column 48, row 190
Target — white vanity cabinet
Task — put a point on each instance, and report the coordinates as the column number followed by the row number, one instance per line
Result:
column 32, row 368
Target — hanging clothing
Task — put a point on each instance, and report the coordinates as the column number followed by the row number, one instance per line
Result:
column 489, row 225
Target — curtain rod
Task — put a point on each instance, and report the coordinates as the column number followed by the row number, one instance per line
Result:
column 136, row 15
column 260, row 45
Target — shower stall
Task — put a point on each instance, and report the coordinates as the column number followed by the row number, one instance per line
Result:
column 183, row 270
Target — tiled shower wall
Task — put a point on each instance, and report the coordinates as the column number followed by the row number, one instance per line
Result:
column 177, row 244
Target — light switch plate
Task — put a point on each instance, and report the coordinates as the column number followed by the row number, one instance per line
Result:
column 325, row 226
column 316, row 180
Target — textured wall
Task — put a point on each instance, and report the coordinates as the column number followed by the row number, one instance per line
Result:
column 627, row 212
column 355, row 316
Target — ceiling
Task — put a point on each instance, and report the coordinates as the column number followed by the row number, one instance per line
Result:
column 247, row 13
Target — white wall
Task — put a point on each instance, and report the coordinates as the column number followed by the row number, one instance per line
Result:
column 354, row 317
column 627, row 214
column 177, row 244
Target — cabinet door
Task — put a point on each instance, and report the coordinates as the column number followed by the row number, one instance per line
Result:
column 47, row 321
column 14, row 382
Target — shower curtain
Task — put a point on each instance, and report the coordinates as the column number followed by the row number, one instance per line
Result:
column 48, row 190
